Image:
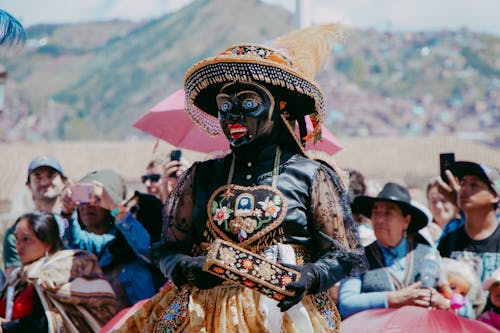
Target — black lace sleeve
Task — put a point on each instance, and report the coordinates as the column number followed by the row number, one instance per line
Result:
column 334, row 230
column 177, row 212
column 177, row 231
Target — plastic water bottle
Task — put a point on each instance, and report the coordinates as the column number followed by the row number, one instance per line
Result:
column 429, row 273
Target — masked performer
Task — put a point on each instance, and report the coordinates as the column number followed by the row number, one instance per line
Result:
column 266, row 196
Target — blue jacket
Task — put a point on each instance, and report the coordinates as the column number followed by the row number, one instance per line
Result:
column 135, row 275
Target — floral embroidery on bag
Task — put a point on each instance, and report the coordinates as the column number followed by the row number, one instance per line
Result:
column 255, row 217
column 271, row 208
column 240, row 213
column 222, row 214
column 249, row 269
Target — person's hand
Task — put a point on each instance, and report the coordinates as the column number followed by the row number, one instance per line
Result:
column 308, row 278
column 411, row 295
column 101, row 197
column 189, row 270
column 438, row 301
column 68, row 205
column 2, row 320
column 450, row 190
column 171, row 171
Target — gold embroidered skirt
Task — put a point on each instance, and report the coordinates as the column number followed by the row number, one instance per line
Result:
column 230, row 308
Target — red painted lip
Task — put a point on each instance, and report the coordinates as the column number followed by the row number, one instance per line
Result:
column 237, row 130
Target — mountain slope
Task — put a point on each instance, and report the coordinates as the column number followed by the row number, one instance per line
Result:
column 99, row 91
column 93, row 80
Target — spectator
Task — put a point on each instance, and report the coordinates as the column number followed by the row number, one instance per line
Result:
column 476, row 193
column 148, row 210
column 491, row 313
column 161, row 176
column 357, row 187
column 476, row 236
column 153, row 179
column 441, row 209
column 53, row 286
column 46, row 181
column 114, row 234
column 395, row 258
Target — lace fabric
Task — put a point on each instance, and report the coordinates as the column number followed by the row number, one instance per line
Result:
column 333, row 223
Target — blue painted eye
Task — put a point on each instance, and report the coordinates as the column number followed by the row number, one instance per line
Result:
column 249, row 104
column 226, row 106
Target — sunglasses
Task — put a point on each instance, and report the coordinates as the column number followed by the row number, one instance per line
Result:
column 154, row 177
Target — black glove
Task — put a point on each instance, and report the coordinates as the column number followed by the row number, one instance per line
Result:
column 308, row 283
column 189, row 270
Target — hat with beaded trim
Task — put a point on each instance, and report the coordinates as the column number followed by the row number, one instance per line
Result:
column 287, row 67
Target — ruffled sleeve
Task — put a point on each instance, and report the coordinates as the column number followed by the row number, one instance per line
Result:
column 340, row 253
column 178, row 234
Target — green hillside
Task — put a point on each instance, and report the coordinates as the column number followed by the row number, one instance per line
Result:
column 93, row 80
column 102, row 76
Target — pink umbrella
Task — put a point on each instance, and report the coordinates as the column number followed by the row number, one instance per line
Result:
column 168, row 121
column 411, row 319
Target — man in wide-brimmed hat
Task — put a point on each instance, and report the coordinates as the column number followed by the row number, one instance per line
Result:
column 395, row 258
column 267, row 196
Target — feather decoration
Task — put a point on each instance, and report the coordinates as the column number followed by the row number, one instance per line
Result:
column 11, row 30
column 309, row 47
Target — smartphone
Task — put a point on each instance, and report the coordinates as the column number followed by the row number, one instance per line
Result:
column 82, row 192
column 445, row 162
column 175, row 155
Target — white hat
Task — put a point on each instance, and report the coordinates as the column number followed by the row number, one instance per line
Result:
column 495, row 277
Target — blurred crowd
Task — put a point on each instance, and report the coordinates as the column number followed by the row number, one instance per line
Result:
column 88, row 235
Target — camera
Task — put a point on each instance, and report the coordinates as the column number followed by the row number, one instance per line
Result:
column 82, row 193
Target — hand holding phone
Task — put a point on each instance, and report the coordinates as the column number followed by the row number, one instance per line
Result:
column 446, row 160
column 82, row 192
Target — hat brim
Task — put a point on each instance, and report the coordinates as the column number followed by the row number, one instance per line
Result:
column 463, row 168
column 205, row 79
column 56, row 168
column 489, row 282
column 364, row 205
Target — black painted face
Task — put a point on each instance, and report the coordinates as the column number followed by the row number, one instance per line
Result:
column 245, row 112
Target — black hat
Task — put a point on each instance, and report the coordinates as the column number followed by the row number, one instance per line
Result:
column 399, row 195
column 490, row 175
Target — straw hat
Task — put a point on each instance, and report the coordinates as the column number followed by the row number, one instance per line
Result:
column 287, row 67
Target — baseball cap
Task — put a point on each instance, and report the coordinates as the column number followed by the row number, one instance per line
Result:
column 488, row 174
column 45, row 161
column 112, row 181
